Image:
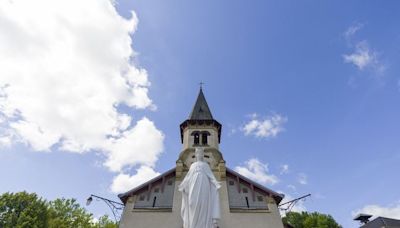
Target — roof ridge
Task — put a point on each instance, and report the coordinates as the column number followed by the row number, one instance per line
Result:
column 152, row 180
column 260, row 186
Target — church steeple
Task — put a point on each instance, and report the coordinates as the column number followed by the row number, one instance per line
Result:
column 200, row 130
column 201, row 111
column 201, row 116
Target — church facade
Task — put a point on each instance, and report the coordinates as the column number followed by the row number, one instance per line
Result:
column 243, row 202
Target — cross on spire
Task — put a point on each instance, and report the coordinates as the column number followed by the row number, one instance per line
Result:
column 201, row 84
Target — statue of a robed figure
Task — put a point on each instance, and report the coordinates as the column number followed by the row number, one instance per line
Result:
column 200, row 197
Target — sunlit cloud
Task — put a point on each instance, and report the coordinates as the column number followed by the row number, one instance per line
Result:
column 64, row 75
column 267, row 127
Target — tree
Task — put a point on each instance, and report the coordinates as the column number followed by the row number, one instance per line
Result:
column 310, row 220
column 295, row 219
column 106, row 222
column 65, row 213
column 27, row 210
column 20, row 210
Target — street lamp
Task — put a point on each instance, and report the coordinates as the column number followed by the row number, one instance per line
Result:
column 114, row 206
column 288, row 206
column 89, row 200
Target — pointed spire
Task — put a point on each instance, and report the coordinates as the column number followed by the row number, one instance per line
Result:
column 201, row 111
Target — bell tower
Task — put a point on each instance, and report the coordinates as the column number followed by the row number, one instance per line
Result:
column 158, row 202
column 201, row 130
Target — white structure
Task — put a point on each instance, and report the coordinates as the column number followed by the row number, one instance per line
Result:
column 243, row 203
column 200, row 196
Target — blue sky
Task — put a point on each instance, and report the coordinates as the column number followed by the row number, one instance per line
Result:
column 329, row 70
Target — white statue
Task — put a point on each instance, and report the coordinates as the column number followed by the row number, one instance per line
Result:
column 200, row 198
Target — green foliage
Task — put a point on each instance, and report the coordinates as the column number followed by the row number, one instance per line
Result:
column 65, row 213
column 106, row 222
column 22, row 210
column 295, row 219
column 310, row 220
column 27, row 210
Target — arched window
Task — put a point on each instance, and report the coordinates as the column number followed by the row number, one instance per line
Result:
column 204, row 137
column 196, row 137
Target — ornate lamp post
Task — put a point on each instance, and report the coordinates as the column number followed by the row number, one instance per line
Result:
column 287, row 207
column 114, row 206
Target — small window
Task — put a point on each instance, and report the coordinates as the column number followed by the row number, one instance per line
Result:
column 156, row 190
column 260, row 198
column 196, row 139
column 231, row 183
column 169, row 182
column 245, row 190
column 141, row 198
column 204, row 137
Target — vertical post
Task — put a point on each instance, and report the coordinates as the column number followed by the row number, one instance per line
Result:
column 238, row 182
column 253, row 193
column 148, row 192
column 162, row 184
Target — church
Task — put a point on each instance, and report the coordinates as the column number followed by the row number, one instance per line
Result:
column 243, row 202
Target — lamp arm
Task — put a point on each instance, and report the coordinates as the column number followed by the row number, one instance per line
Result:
column 114, row 206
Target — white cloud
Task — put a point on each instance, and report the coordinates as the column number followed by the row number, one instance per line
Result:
column 362, row 57
column 253, row 115
column 257, row 171
column 66, row 66
column 284, row 169
column 6, row 135
column 292, row 187
column 5, row 141
column 302, row 178
column 391, row 211
column 264, row 128
column 352, row 30
column 139, row 145
column 124, row 182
